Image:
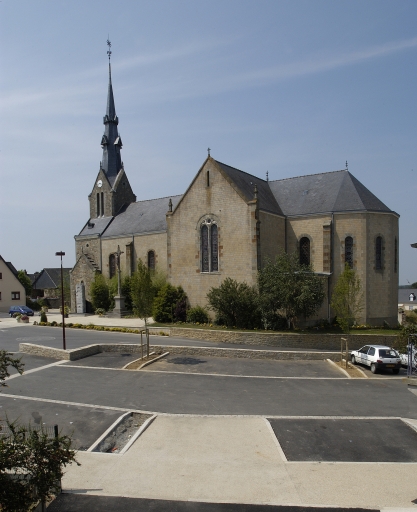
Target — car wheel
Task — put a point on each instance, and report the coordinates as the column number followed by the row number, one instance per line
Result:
column 353, row 360
column 373, row 368
column 396, row 371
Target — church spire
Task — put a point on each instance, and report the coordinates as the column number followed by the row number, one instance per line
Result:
column 111, row 141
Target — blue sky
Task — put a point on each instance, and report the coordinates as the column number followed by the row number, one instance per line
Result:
column 290, row 87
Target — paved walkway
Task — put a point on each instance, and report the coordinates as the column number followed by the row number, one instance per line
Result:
column 235, row 460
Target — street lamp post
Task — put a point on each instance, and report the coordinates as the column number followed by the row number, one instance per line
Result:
column 62, row 301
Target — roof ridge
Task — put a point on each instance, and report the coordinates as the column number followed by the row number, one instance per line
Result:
column 305, row 175
column 157, row 199
column 240, row 170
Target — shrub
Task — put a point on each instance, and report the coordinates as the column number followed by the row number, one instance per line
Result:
column 43, row 302
column 100, row 311
column 100, row 292
column 236, row 304
column 197, row 314
column 166, row 302
column 44, row 319
column 33, row 304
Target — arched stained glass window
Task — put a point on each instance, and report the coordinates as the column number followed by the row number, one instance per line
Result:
column 112, row 265
column 214, row 249
column 378, row 253
column 305, row 251
column 151, row 260
column 209, row 246
column 349, row 251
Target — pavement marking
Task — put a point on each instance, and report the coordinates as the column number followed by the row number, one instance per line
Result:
column 204, row 374
column 78, row 404
column 37, row 338
column 275, row 439
column 35, row 370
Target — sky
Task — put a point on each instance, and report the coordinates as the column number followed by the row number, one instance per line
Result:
column 290, row 87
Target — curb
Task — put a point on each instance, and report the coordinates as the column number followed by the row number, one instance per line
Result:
column 153, row 360
column 339, row 368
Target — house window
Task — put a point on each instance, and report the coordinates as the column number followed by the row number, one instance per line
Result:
column 349, row 251
column 378, row 253
column 395, row 255
column 151, row 260
column 112, row 265
column 15, row 295
column 305, row 251
column 209, row 246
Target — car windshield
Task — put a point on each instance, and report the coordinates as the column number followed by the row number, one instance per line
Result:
column 387, row 352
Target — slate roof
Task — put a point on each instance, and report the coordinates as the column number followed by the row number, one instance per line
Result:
column 50, row 278
column 142, row 217
column 404, row 296
column 11, row 267
column 335, row 191
column 246, row 182
column 97, row 226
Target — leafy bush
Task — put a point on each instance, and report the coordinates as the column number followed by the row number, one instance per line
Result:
column 100, row 292
column 197, row 314
column 43, row 317
column 170, row 304
column 33, row 304
column 43, row 302
column 235, row 303
column 100, row 311
column 126, row 292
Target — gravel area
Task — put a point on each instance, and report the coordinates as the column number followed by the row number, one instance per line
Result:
column 121, row 435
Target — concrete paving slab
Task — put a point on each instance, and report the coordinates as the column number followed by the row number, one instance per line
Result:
column 346, row 440
column 191, row 458
column 234, row 460
column 248, row 367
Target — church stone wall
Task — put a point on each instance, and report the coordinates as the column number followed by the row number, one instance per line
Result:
column 272, row 236
column 382, row 285
column 312, row 228
column 90, row 246
column 156, row 242
column 236, row 234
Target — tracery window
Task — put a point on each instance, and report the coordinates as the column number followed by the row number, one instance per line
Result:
column 209, row 246
column 378, row 253
column 112, row 265
column 349, row 251
column 151, row 260
column 305, row 251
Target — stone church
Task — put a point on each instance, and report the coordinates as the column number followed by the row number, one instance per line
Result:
column 228, row 223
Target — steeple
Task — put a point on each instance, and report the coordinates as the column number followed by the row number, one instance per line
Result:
column 111, row 141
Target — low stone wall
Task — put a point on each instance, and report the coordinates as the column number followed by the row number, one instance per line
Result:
column 290, row 340
column 80, row 353
column 59, row 353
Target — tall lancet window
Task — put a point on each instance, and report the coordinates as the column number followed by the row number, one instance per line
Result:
column 349, row 251
column 209, row 246
column 378, row 253
column 305, row 251
column 102, row 204
column 98, row 204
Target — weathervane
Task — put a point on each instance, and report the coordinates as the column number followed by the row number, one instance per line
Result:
column 109, row 50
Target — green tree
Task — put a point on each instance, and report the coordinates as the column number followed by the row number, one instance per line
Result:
column 288, row 288
column 37, row 460
column 99, row 290
column 413, row 285
column 7, row 360
column 401, row 342
column 170, row 304
column 26, row 282
column 142, row 292
column 235, row 304
column 347, row 298
column 126, row 292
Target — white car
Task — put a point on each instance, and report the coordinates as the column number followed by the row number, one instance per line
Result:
column 378, row 357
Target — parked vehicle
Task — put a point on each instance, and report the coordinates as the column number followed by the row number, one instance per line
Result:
column 378, row 357
column 23, row 310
